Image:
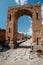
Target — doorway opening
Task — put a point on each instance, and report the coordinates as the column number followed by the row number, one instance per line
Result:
column 24, row 30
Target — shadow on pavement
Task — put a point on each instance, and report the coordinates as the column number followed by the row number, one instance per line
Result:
column 24, row 47
column 4, row 48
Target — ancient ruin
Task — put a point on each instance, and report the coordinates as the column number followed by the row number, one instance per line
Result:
column 2, row 36
column 34, row 11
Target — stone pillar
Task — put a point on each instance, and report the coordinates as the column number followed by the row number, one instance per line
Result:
column 11, row 44
column 15, row 31
column 37, row 24
column 10, row 30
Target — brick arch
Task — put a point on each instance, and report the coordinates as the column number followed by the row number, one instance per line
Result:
column 23, row 12
column 14, row 13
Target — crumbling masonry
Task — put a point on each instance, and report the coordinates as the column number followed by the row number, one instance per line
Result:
column 34, row 11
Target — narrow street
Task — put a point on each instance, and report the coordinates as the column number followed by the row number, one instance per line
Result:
column 20, row 56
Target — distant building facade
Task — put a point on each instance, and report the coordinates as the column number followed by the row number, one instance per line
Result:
column 20, row 36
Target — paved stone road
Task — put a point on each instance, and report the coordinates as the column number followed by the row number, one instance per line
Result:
column 20, row 56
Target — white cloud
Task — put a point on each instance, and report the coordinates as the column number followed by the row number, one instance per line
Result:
column 42, row 16
column 42, row 12
column 29, row 31
column 21, row 32
column 29, row 17
column 42, row 9
column 42, row 22
column 17, row 1
column 21, row 2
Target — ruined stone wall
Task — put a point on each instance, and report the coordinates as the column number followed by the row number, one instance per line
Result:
column 20, row 36
column 34, row 11
column 2, row 35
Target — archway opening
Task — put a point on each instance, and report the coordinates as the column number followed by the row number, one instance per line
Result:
column 24, row 29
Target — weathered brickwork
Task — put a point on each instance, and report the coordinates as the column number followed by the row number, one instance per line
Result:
column 34, row 11
column 20, row 36
column 2, row 36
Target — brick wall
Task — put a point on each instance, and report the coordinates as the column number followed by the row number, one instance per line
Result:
column 20, row 36
column 2, row 35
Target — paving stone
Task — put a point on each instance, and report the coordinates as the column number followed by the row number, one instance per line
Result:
column 20, row 56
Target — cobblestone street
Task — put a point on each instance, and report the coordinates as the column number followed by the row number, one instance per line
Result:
column 20, row 56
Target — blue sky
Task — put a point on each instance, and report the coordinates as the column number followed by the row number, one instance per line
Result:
column 22, row 26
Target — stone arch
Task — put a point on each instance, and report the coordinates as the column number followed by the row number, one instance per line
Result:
column 14, row 13
column 23, row 12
